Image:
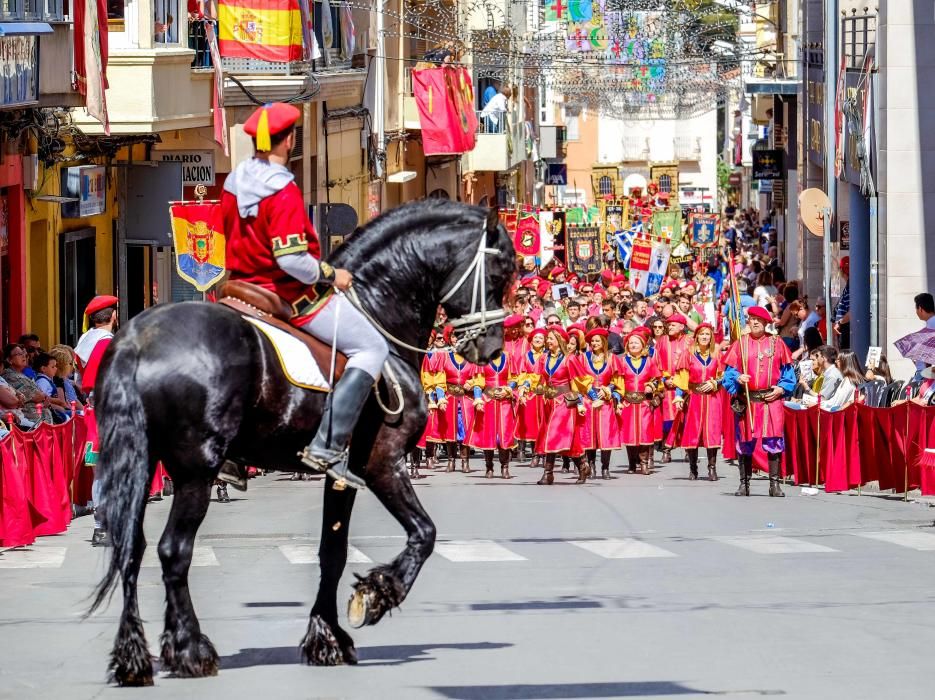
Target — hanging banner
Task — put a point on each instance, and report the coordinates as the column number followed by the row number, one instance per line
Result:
column 574, row 216
column 552, row 228
column 445, row 98
column 508, row 217
column 265, row 30
column 199, row 243
column 527, row 239
column 704, row 229
column 623, row 241
column 583, row 250
column 613, row 219
column 667, row 225
column 658, row 266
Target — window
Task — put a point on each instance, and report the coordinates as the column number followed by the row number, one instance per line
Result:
column 335, row 26
column 605, row 186
column 665, row 183
column 571, row 127
column 165, row 22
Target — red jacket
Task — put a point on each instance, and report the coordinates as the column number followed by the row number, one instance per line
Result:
column 281, row 227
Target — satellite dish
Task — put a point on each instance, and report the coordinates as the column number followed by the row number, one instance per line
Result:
column 812, row 205
column 632, row 181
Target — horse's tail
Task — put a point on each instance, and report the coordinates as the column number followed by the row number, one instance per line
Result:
column 123, row 465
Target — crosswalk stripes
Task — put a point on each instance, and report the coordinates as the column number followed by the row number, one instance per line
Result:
column 475, row 551
column 33, row 558
column 775, row 545
column 622, row 548
column 308, row 554
column 201, row 556
column 921, row 541
column 462, row 551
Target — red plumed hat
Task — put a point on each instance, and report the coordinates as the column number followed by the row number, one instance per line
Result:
column 269, row 120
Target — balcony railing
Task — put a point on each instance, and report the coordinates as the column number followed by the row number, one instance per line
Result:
column 687, row 147
column 635, row 148
column 198, row 42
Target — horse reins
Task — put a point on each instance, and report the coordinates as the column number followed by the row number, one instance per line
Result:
column 471, row 325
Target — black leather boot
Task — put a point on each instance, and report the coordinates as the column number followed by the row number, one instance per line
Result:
column 775, row 476
column 566, row 465
column 645, row 452
column 632, row 458
column 223, row 496
column 744, row 488
column 712, row 464
column 488, row 463
column 605, row 464
column 415, row 459
column 584, row 469
column 692, row 463
column 505, row 464
column 465, row 456
column 328, row 450
column 548, row 478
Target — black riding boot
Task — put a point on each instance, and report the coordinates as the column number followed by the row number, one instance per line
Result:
column 452, row 449
column 712, row 464
column 548, row 478
column 465, row 454
column 645, row 452
column 633, row 458
column 775, row 476
column 505, row 464
column 692, row 463
column 605, row 464
column 415, row 459
column 488, row 463
column 584, row 470
column 566, row 465
column 430, row 461
column 328, row 450
column 745, row 474
column 223, row 496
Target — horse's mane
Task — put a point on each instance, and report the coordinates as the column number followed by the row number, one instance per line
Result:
column 406, row 224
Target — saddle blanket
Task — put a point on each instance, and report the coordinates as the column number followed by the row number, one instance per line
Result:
column 296, row 360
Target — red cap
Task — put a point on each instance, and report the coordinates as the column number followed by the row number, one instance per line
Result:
column 269, row 120
column 559, row 331
column 543, row 289
column 579, row 326
column 596, row 332
column 643, row 330
column 572, row 278
column 446, row 334
column 578, row 332
column 635, row 334
column 607, row 276
column 702, row 326
column 513, row 320
column 535, row 332
column 98, row 303
column 677, row 318
column 556, row 271
column 758, row 312
column 598, row 289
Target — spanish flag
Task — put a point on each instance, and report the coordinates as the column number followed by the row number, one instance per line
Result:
column 267, row 30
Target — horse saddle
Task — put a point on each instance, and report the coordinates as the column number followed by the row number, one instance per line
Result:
column 265, row 308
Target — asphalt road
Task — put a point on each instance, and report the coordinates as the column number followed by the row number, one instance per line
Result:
column 638, row 587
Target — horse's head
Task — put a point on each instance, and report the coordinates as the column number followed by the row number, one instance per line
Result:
column 474, row 291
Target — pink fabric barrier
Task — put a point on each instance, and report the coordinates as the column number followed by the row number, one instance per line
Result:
column 41, row 474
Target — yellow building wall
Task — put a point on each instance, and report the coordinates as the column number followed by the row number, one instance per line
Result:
column 44, row 223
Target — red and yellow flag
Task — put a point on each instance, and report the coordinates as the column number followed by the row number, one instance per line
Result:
column 267, row 30
column 199, row 243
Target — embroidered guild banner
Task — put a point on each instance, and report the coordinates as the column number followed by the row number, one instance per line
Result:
column 583, row 250
column 199, row 243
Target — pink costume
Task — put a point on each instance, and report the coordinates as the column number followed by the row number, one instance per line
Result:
column 494, row 427
column 594, row 378
column 529, row 412
column 766, row 357
column 458, row 415
column 561, row 426
column 432, row 379
column 703, row 422
column 669, row 354
column 634, row 379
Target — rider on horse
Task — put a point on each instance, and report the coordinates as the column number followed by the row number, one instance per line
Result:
column 271, row 243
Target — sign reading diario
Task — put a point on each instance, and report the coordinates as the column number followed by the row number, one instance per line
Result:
column 197, row 166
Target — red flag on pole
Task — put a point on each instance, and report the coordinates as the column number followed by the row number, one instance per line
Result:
column 445, row 98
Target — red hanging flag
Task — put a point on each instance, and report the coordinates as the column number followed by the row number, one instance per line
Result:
column 90, row 18
column 445, row 98
column 527, row 239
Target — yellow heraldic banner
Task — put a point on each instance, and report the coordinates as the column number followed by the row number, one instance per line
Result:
column 199, row 243
column 267, row 30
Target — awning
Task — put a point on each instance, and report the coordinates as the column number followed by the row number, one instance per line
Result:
column 771, row 86
column 24, row 28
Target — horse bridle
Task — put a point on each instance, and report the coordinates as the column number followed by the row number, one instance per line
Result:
column 470, row 325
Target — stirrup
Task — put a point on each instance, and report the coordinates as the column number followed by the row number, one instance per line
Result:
column 335, row 468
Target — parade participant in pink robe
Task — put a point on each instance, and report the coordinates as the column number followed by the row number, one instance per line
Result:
column 515, row 343
column 758, row 375
column 456, row 405
column 702, row 404
column 596, row 370
column 670, row 349
column 638, row 382
column 494, row 426
column 529, row 411
column 433, row 380
column 562, row 407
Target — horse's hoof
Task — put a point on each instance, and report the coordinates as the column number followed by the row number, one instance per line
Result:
column 321, row 647
column 196, row 659
column 131, row 664
column 374, row 595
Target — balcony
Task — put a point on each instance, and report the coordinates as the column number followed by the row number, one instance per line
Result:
column 687, row 147
column 635, row 148
column 501, row 144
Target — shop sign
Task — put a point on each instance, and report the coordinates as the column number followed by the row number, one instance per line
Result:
column 844, row 235
column 767, row 164
column 558, row 174
column 19, row 70
column 88, row 184
column 197, row 166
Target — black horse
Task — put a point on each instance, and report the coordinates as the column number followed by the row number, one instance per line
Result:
column 194, row 385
